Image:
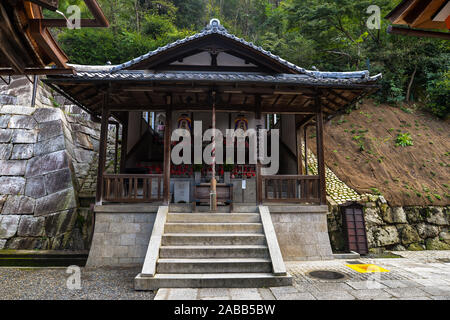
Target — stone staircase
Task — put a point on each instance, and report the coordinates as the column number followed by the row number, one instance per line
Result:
column 211, row 250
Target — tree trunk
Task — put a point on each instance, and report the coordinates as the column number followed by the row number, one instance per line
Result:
column 136, row 10
column 408, row 92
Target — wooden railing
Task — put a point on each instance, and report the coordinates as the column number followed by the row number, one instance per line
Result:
column 133, row 187
column 291, row 188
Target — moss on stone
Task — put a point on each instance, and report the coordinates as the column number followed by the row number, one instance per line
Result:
column 415, row 247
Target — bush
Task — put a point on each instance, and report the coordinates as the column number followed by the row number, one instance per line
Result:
column 156, row 26
column 404, row 140
column 439, row 95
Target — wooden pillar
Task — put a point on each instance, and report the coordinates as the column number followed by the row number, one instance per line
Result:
column 320, row 152
column 124, row 145
column 213, row 195
column 305, row 139
column 259, row 184
column 102, row 150
column 167, row 160
column 259, row 190
column 116, row 147
column 298, row 143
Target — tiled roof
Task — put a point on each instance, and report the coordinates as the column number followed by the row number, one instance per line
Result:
column 215, row 27
column 321, row 78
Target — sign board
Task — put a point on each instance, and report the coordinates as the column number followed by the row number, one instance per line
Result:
column 181, row 191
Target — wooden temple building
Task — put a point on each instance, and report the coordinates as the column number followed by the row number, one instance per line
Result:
column 154, row 212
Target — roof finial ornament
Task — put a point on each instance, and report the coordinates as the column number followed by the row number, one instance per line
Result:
column 214, row 24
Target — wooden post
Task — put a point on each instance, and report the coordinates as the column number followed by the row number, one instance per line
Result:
column 320, row 153
column 213, row 197
column 124, row 145
column 167, row 160
column 102, row 150
column 298, row 142
column 258, row 116
column 259, row 184
column 116, row 147
column 305, row 138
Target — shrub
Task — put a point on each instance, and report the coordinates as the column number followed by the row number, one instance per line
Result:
column 404, row 140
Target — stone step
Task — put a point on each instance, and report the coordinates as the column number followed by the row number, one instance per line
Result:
column 252, row 251
column 172, row 227
column 213, row 217
column 174, row 239
column 235, row 265
column 210, row 280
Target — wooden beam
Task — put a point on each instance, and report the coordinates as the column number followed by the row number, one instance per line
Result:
column 340, row 96
column 418, row 33
column 418, row 11
column 47, row 4
column 36, row 71
column 305, row 121
column 102, row 150
column 395, row 14
column 219, row 108
column 320, row 153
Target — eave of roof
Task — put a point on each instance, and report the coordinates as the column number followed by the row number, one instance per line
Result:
column 320, row 78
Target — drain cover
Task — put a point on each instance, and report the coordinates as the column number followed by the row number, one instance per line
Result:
column 326, row 275
column 354, row 262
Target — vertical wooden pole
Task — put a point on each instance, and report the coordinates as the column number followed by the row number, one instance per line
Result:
column 167, row 160
column 298, row 142
column 116, row 147
column 102, row 150
column 259, row 184
column 258, row 116
column 320, row 152
column 124, row 145
column 213, row 204
column 305, row 138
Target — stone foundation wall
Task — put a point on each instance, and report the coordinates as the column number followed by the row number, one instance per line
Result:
column 46, row 156
column 120, row 239
column 396, row 228
column 302, row 234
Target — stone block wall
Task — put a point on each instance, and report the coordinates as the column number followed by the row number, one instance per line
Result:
column 396, row 228
column 120, row 239
column 46, row 156
column 302, row 234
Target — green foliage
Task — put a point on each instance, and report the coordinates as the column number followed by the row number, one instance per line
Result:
column 157, row 26
column 375, row 191
column 438, row 90
column 404, row 140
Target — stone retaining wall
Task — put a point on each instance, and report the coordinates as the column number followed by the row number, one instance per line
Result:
column 396, row 228
column 120, row 239
column 302, row 233
column 46, row 154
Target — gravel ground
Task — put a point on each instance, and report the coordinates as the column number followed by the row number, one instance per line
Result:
column 50, row 284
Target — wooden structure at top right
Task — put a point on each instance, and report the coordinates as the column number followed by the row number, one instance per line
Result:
column 424, row 18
